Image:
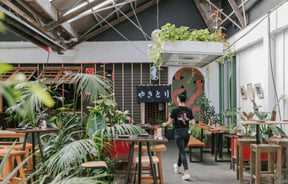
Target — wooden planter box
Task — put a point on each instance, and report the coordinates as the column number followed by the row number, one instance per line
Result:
column 119, row 150
column 246, row 150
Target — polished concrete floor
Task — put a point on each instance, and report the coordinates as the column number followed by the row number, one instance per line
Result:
column 206, row 172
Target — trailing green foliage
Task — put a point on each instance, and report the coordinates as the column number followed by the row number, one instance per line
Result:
column 169, row 32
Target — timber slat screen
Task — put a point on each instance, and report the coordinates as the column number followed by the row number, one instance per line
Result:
column 27, row 71
column 54, row 74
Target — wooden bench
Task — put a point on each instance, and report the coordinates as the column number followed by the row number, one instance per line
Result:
column 195, row 143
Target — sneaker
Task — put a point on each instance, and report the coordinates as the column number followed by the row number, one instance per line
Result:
column 186, row 177
column 176, row 169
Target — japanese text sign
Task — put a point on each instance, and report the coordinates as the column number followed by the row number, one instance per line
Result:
column 153, row 93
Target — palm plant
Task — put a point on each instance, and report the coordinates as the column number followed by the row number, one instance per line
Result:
column 87, row 85
column 71, row 156
column 32, row 97
column 70, row 128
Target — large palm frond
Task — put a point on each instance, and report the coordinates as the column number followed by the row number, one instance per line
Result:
column 32, row 97
column 71, row 155
column 118, row 129
column 90, row 86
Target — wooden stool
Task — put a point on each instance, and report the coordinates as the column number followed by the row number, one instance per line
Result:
column 19, row 147
column 241, row 143
column 157, row 149
column 284, row 145
column 255, row 163
column 95, row 165
column 146, row 161
column 9, row 166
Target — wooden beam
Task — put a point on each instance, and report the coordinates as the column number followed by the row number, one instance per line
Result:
column 113, row 23
column 36, row 16
column 28, row 18
column 237, row 12
column 240, row 6
column 73, row 14
column 207, row 21
column 224, row 14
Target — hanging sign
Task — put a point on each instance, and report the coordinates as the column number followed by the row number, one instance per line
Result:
column 154, row 73
column 153, row 93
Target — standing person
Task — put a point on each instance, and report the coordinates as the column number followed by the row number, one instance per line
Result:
column 181, row 116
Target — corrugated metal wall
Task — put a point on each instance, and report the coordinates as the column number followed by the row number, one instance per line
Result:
column 127, row 77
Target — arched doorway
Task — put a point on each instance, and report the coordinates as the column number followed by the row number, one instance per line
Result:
column 192, row 81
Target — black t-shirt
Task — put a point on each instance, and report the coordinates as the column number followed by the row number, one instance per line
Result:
column 181, row 116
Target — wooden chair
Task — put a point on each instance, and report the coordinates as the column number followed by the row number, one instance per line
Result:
column 9, row 166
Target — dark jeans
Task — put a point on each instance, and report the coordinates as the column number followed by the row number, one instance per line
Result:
column 182, row 137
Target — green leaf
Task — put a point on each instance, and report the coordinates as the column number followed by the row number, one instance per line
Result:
column 3, row 66
column 95, row 122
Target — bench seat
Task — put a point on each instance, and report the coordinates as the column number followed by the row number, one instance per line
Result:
column 195, row 143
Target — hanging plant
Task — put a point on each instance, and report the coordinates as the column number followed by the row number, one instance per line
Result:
column 169, row 32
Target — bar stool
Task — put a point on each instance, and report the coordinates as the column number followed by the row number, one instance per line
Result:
column 146, row 161
column 284, row 145
column 9, row 166
column 158, row 149
column 241, row 143
column 96, row 165
column 19, row 147
column 255, row 163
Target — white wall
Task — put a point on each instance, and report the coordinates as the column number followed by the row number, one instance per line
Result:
column 255, row 65
column 88, row 52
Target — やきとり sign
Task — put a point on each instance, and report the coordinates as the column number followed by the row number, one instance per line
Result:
column 153, row 93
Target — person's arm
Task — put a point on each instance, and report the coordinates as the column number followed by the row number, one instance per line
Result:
column 168, row 123
column 192, row 122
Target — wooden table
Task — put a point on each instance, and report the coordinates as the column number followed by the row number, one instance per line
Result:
column 35, row 132
column 217, row 140
column 140, row 140
column 261, row 122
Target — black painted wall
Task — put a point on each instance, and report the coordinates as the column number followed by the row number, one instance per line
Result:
column 179, row 12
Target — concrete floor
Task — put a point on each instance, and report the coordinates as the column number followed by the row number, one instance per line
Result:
column 206, row 172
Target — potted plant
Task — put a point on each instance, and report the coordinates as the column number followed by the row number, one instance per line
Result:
column 207, row 113
column 170, row 33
